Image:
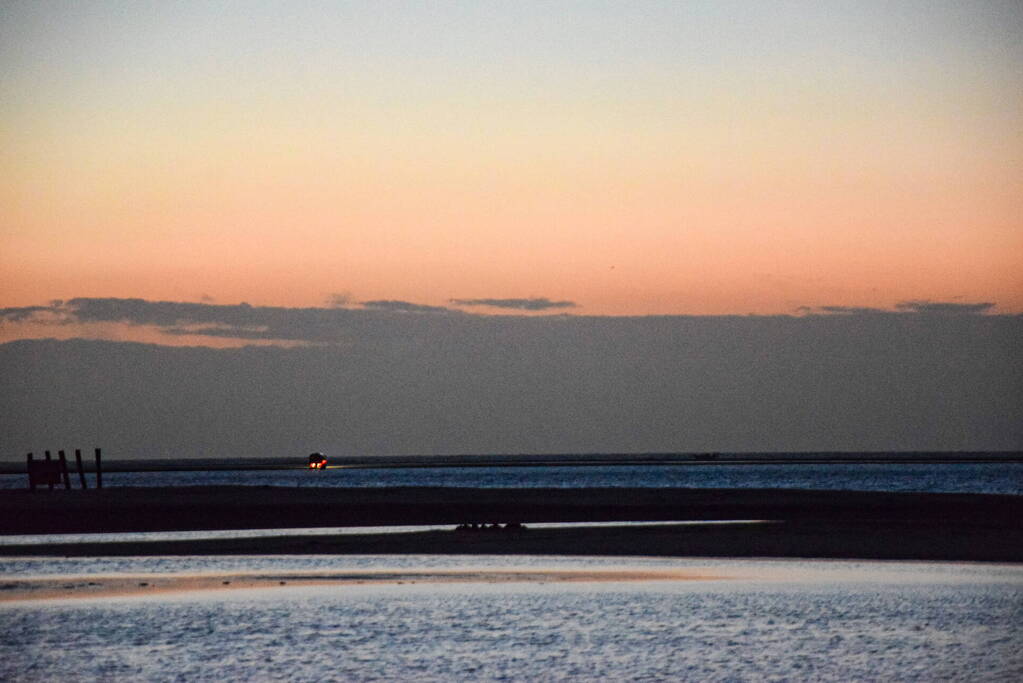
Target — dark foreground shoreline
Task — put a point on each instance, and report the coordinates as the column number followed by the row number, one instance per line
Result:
column 819, row 524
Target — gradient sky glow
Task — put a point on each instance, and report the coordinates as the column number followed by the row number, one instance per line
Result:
column 632, row 157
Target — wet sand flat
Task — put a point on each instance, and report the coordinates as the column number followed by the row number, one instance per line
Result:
column 64, row 588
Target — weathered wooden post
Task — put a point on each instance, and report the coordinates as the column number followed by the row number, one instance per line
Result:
column 44, row 471
column 99, row 469
column 81, row 470
column 63, row 470
column 49, row 459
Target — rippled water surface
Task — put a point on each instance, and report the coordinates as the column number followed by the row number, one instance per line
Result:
column 1006, row 477
column 764, row 620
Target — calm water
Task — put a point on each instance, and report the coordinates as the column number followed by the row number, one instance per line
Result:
column 953, row 478
column 777, row 620
column 128, row 536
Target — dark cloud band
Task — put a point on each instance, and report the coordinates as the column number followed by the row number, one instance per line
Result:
column 388, row 319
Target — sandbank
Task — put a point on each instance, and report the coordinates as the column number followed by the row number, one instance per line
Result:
column 64, row 588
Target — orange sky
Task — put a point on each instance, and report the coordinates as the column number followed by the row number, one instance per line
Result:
column 634, row 163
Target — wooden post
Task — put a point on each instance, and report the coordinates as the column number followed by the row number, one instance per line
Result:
column 81, row 470
column 48, row 459
column 99, row 469
column 63, row 470
column 44, row 471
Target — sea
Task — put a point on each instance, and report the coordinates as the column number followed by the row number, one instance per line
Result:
column 756, row 620
column 961, row 477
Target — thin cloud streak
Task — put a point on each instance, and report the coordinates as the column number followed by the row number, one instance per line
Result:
column 404, row 306
column 921, row 307
column 534, row 304
column 23, row 313
column 944, row 308
column 339, row 300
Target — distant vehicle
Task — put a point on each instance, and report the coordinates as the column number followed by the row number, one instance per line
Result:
column 317, row 461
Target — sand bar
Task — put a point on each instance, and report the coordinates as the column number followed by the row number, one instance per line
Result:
column 64, row 588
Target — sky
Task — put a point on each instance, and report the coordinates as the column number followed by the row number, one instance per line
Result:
column 254, row 228
column 632, row 158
